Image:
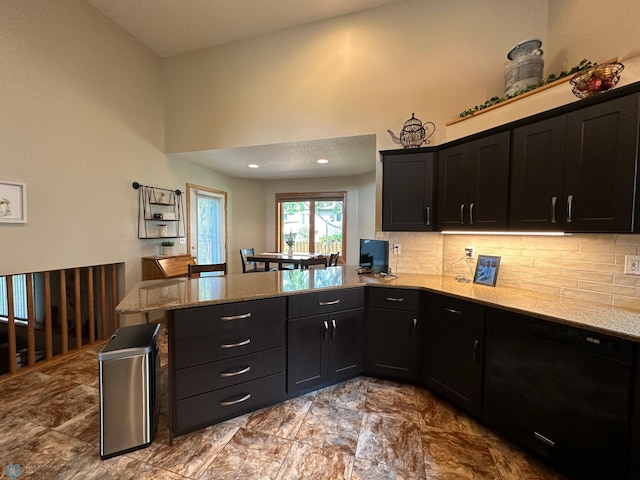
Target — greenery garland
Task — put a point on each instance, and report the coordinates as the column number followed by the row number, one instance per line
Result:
column 551, row 78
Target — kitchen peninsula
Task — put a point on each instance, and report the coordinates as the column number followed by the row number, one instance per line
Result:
column 240, row 342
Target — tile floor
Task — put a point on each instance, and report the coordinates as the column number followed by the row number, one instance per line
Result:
column 364, row 428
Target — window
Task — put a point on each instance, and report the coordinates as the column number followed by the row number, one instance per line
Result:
column 317, row 221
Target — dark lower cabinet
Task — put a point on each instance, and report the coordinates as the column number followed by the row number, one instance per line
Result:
column 561, row 391
column 394, row 333
column 454, row 351
column 225, row 360
column 324, row 349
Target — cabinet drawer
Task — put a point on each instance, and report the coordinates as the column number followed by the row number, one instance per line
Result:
column 206, row 409
column 325, row 302
column 212, row 346
column 201, row 321
column 225, row 373
column 467, row 314
column 394, row 298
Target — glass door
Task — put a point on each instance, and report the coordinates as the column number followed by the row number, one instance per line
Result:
column 207, row 224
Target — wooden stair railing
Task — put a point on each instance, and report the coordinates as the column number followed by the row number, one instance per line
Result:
column 69, row 313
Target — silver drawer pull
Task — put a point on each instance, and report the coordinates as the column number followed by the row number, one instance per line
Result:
column 236, row 317
column 226, row 403
column 237, row 372
column 544, row 439
column 451, row 310
column 239, row 344
column 392, row 299
column 332, row 302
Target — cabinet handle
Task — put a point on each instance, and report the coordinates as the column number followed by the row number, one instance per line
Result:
column 451, row 310
column 471, row 214
column 233, row 345
column 395, row 299
column 226, row 403
column 331, row 302
column 237, row 372
column 325, row 330
column 428, row 211
column 462, row 214
column 544, row 439
column 236, row 317
column 333, row 328
column 554, row 200
column 570, row 208
column 476, row 343
column 415, row 327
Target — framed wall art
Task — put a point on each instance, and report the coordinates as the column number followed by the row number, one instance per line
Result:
column 13, row 202
column 487, row 270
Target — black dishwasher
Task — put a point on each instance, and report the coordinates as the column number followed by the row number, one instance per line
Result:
column 564, row 392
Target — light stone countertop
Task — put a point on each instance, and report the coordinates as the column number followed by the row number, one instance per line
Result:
column 172, row 294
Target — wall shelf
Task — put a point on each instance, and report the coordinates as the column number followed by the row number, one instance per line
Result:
column 160, row 212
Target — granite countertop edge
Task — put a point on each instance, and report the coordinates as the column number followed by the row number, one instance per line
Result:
column 180, row 293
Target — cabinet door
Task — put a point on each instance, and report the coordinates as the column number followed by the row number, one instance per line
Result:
column 453, row 350
column 346, row 357
column 393, row 343
column 307, row 363
column 489, row 182
column 537, row 176
column 453, row 187
column 408, row 193
column 453, row 362
column 600, row 168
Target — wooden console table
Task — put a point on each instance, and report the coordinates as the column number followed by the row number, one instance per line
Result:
column 166, row 266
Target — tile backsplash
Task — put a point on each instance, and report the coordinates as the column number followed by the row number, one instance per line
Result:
column 581, row 266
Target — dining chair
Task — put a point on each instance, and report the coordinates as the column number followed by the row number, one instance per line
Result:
column 250, row 267
column 316, row 262
column 333, row 259
column 195, row 270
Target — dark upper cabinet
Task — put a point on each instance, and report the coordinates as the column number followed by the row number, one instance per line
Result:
column 473, row 184
column 537, row 176
column 408, row 191
column 600, row 167
column 577, row 172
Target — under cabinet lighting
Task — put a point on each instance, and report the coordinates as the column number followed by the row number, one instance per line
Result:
column 468, row 232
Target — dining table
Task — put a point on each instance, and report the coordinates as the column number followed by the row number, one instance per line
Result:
column 297, row 259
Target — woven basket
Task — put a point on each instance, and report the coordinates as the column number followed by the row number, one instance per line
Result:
column 596, row 79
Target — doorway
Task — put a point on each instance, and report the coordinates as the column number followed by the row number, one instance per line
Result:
column 207, row 224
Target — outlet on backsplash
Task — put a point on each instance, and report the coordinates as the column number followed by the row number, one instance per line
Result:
column 632, row 264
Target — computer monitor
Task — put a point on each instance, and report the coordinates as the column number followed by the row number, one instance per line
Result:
column 374, row 256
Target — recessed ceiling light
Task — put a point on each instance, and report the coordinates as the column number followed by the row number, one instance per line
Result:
column 322, row 160
column 253, row 165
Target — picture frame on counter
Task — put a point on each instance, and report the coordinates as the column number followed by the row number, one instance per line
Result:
column 487, row 269
column 13, row 202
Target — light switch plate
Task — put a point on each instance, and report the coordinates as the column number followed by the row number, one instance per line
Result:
column 632, row 264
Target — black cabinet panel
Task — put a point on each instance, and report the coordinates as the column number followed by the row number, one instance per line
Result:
column 325, row 302
column 393, row 345
column 537, row 176
column 346, row 350
column 212, row 376
column 408, row 192
column 206, row 409
column 454, row 350
column 600, row 168
column 473, row 184
column 395, row 298
column 308, row 360
column 561, row 391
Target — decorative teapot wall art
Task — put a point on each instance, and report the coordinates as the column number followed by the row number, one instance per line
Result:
column 414, row 133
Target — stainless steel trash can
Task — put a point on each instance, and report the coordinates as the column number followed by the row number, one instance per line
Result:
column 129, row 389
